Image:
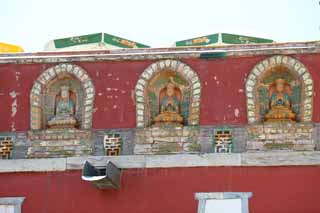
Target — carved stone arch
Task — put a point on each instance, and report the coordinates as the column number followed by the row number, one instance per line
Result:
column 296, row 68
column 45, row 78
column 175, row 66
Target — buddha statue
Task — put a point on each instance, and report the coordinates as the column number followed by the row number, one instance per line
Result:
column 169, row 107
column 280, row 106
column 64, row 110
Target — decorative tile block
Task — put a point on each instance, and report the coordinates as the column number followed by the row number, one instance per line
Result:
column 6, row 147
column 112, row 144
column 222, row 141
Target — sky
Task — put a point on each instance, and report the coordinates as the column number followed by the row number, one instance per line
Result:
column 158, row 23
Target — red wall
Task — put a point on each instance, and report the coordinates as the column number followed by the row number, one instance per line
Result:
column 223, row 82
column 275, row 189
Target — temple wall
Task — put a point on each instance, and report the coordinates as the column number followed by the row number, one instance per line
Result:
column 222, row 106
column 223, row 100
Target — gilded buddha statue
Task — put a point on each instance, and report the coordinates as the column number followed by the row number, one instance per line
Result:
column 169, row 107
column 280, row 106
column 64, row 111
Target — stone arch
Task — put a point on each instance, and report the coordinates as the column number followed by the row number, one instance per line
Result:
column 46, row 77
column 296, row 68
column 176, row 66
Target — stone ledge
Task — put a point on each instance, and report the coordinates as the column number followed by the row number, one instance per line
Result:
column 280, row 158
column 162, row 53
column 193, row 160
column 33, row 165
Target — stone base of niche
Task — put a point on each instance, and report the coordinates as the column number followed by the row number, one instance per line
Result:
column 167, row 140
column 280, row 136
column 55, row 143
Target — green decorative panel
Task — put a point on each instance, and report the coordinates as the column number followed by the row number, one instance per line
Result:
column 153, row 103
column 78, row 40
column 240, row 39
column 199, row 41
column 97, row 38
column 295, row 99
column 185, row 106
column 121, row 42
column 263, row 100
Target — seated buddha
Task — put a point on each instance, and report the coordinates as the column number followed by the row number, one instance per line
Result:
column 64, row 111
column 280, row 106
column 169, row 107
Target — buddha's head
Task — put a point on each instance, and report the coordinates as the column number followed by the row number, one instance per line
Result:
column 170, row 89
column 65, row 92
column 280, row 83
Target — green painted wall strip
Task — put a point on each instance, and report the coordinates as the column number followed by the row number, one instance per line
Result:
column 213, row 55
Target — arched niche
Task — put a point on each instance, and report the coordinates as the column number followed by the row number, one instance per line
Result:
column 46, row 87
column 287, row 68
column 151, row 84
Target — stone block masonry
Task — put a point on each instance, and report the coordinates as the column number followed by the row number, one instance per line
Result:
column 155, row 140
column 280, row 136
column 59, row 143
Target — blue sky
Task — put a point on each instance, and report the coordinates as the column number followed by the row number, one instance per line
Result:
column 32, row 23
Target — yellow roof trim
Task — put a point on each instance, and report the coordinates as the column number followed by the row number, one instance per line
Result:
column 10, row 48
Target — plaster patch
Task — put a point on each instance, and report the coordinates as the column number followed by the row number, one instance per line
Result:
column 14, row 109
column 13, row 127
column 18, row 76
column 14, row 105
column 13, row 94
column 236, row 112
